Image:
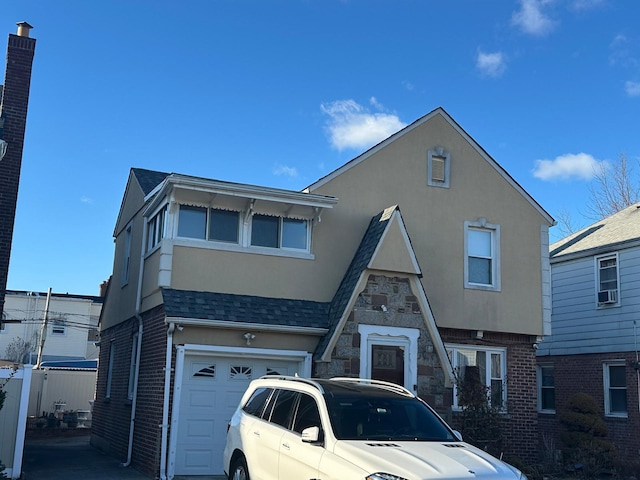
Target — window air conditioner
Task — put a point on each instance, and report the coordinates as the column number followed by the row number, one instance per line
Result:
column 608, row 297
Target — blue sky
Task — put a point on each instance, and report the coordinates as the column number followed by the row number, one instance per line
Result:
column 279, row 93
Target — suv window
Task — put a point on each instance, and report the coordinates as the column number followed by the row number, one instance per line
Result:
column 256, row 403
column 282, row 407
column 374, row 417
column 307, row 414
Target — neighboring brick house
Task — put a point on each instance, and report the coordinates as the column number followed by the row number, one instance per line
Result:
column 595, row 329
column 413, row 260
column 13, row 122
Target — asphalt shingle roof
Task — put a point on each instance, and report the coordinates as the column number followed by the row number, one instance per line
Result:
column 619, row 228
column 358, row 264
column 245, row 308
column 148, row 179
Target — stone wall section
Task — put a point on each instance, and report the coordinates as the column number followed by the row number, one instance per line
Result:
column 402, row 310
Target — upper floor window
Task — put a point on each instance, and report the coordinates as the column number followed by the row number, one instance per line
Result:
column 479, row 364
column 3, row 325
column 482, row 255
column 58, row 325
column 607, row 280
column 126, row 259
column 546, row 389
column 223, row 225
column 278, row 232
column 615, row 389
column 438, row 167
column 156, row 228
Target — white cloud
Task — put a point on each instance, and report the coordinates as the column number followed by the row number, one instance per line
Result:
column 285, row 171
column 408, row 85
column 531, row 19
column 567, row 167
column 85, row 199
column 491, row 64
column 350, row 125
column 586, row 4
column 632, row 88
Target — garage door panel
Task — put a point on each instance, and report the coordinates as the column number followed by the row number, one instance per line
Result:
column 212, row 387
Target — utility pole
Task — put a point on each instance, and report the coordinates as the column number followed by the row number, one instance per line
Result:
column 43, row 331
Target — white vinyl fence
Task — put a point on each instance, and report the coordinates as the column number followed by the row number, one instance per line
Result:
column 57, row 391
column 13, row 417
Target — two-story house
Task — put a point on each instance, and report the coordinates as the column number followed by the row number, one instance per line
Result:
column 68, row 322
column 595, row 328
column 414, row 260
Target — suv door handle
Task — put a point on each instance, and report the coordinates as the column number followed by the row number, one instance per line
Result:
column 256, row 433
column 286, row 445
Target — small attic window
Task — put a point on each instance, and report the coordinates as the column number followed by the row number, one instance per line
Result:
column 438, row 167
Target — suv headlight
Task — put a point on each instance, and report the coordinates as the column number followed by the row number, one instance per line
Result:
column 383, row 476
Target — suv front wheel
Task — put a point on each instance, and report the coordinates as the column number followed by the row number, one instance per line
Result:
column 239, row 470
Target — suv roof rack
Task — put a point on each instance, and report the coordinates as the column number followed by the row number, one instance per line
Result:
column 392, row 387
column 308, row 381
column 378, row 383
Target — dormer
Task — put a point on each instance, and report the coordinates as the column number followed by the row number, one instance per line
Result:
column 203, row 213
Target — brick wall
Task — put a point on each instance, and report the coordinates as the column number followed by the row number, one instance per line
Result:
column 15, row 99
column 111, row 417
column 520, row 423
column 584, row 373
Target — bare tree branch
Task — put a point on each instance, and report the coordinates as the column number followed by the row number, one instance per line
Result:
column 614, row 187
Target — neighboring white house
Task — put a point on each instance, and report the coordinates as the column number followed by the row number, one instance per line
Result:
column 595, row 324
column 72, row 326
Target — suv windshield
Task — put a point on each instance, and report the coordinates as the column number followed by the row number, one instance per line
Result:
column 384, row 417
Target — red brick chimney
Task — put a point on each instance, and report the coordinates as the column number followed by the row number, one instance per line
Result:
column 13, row 121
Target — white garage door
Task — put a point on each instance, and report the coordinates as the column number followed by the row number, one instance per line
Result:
column 211, row 389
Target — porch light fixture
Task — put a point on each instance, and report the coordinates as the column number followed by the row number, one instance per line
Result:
column 248, row 337
column 3, row 148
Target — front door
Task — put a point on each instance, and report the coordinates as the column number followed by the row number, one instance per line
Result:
column 387, row 363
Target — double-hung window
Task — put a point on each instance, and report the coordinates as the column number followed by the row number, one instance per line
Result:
column 615, row 389
column 482, row 255
column 490, row 364
column 546, row 389
column 607, row 280
column 156, row 228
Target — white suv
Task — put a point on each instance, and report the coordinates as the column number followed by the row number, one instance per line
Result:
column 291, row 428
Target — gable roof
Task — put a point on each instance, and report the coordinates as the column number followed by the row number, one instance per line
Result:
column 215, row 307
column 441, row 112
column 148, row 179
column 622, row 228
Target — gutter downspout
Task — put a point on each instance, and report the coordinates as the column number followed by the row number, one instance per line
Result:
column 165, row 403
column 134, row 400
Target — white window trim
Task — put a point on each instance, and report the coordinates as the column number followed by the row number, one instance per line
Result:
column 438, row 152
column 112, row 355
column 126, row 259
column 60, row 326
column 503, row 366
column 481, row 224
column 597, row 279
column 244, row 237
column 539, row 387
column 393, row 336
column 607, row 403
column 148, row 239
column 132, row 366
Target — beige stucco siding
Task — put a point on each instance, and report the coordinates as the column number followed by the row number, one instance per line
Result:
column 435, row 219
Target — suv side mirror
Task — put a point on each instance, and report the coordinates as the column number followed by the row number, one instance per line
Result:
column 457, row 434
column 311, row 435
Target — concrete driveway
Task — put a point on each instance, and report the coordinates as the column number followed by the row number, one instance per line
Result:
column 71, row 458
